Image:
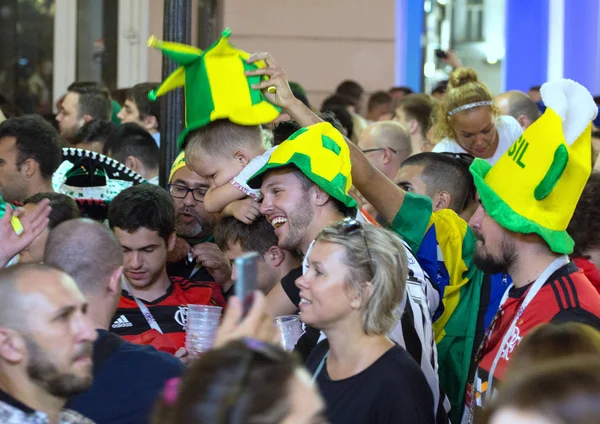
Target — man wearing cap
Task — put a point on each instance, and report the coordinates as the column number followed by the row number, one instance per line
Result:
column 196, row 257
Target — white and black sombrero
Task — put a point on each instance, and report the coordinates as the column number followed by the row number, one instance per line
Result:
column 92, row 179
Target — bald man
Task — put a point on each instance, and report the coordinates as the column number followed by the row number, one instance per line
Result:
column 93, row 256
column 46, row 343
column 518, row 105
column 386, row 145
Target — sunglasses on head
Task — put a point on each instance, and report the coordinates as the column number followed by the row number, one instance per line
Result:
column 349, row 226
column 464, row 158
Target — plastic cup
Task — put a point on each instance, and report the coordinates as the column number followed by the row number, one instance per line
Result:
column 290, row 329
column 205, row 309
column 201, row 327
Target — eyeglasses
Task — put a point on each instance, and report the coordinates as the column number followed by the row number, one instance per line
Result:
column 181, row 192
column 379, row 149
column 349, row 226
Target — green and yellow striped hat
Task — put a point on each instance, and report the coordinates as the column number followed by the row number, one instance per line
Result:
column 321, row 153
column 215, row 84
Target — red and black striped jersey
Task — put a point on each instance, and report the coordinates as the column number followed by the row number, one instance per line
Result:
column 567, row 296
column 169, row 311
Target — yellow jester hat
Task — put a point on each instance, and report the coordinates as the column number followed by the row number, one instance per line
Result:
column 319, row 152
column 534, row 187
column 215, row 84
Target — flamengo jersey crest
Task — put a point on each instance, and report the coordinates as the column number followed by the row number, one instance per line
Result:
column 513, row 342
column 181, row 316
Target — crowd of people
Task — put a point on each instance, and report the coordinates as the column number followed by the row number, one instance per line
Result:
column 441, row 251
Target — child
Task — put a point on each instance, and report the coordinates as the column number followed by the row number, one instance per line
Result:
column 228, row 154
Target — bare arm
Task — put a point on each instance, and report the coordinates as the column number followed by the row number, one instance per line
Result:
column 385, row 196
column 217, row 198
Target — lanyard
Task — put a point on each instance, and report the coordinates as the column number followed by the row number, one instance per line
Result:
column 533, row 291
column 320, row 367
column 145, row 311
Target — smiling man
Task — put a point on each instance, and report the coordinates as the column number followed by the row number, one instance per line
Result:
column 298, row 207
column 153, row 306
column 46, row 356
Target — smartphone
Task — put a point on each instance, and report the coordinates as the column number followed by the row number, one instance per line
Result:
column 246, row 282
column 441, row 54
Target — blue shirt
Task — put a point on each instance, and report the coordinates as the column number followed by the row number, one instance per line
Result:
column 127, row 385
column 156, row 137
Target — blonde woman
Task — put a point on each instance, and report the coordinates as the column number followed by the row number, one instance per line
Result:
column 354, row 283
column 467, row 121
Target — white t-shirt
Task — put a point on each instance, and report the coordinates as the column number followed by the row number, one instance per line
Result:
column 508, row 132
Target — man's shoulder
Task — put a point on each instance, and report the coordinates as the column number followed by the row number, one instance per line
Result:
column 568, row 296
column 147, row 357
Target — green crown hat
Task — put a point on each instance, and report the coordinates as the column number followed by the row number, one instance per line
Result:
column 215, row 84
column 534, row 187
column 321, row 153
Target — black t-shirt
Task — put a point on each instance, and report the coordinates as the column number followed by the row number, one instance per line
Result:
column 391, row 391
column 288, row 283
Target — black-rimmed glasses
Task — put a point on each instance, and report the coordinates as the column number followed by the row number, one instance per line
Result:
column 180, row 192
column 349, row 226
column 379, row 149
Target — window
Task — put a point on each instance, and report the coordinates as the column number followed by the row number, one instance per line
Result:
column 474, row 26
column 26, row 56
column 97, row 42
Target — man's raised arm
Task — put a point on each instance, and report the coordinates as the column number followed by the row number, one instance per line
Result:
column 385, row 196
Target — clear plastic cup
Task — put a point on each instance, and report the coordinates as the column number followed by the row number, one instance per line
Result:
column 290, row 329
column 201, row 327
column 205, row 309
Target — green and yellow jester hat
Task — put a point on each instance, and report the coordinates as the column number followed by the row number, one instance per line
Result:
column 534, row 187
column 319, row 152
column 215, row 85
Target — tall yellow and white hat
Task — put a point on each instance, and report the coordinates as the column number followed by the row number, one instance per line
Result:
column 534, row 187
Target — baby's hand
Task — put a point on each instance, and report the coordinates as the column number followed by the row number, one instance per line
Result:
column 246, row 210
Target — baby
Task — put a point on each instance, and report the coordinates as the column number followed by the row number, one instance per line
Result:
column 228, row 154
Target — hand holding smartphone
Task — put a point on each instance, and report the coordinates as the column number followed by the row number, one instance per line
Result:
column 246, row 282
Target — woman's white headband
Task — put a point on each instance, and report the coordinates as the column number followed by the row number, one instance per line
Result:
column 469, row 106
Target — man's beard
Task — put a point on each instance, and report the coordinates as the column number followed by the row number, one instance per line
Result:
column 42, row 371
column 495, row 264
column 297, row 221
column 197, row 229
column 68, row 136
